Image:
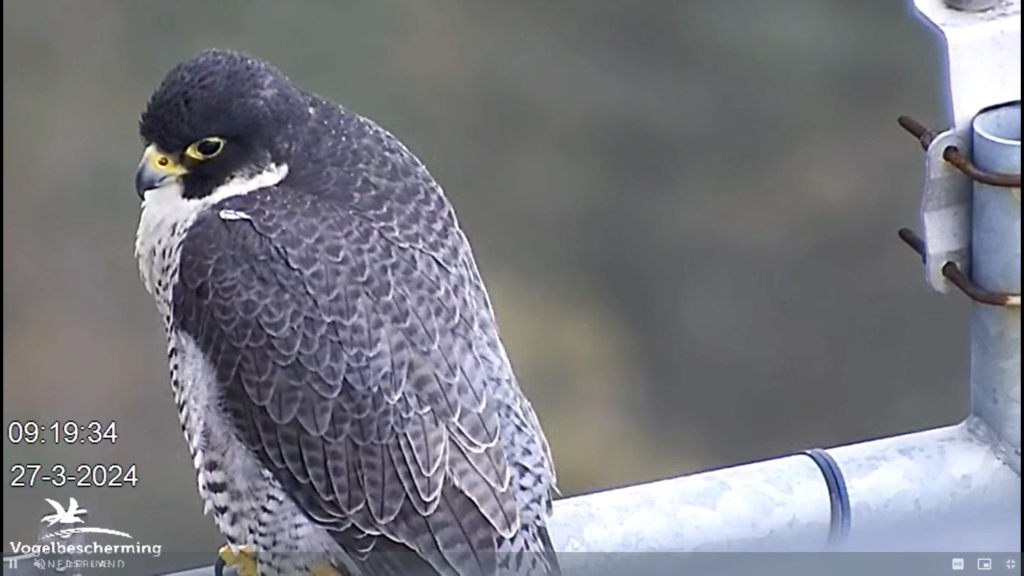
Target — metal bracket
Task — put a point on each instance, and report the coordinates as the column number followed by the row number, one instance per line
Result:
column 945, row 211
column 945, row 252
column 983, row 50
column 951, row 272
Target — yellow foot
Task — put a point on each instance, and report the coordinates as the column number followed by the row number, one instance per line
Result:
column 325, row 570
column 244, row 557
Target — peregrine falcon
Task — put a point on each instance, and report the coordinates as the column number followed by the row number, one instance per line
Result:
column 338, row 373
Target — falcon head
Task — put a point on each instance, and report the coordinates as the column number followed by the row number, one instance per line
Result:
column 219, row 117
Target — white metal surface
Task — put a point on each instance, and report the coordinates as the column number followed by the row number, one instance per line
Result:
column 995, row 330
column 983, row 64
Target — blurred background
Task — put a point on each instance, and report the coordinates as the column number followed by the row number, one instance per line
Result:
column 685, row 213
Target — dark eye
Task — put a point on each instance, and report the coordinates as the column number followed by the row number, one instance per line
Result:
column 209, row 147
column 205, row 149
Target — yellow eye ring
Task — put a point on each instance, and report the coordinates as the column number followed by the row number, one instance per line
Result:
column 205, row 149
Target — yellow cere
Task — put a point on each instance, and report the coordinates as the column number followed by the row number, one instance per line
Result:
column 162, row 161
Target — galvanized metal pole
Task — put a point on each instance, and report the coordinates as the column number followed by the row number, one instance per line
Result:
column 788, row 503
column 995, row 330
column 971, row 204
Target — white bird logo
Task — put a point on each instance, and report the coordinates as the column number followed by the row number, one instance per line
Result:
column 62, row 516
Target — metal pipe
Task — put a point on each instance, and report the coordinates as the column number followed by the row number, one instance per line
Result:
column 995, row 245
column 784, row 504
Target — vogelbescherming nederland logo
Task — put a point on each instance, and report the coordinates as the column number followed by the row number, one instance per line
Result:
column 72, row 516
column 63, row 525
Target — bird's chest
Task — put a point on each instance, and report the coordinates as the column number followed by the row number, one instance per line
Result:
column 165, row 219
column 231, row 481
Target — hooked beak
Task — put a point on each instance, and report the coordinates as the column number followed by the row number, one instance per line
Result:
column 156, row 170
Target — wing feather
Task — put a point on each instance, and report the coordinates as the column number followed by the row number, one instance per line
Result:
column 362, row 366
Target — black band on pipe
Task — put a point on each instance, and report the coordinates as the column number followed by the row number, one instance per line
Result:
column 838, row 496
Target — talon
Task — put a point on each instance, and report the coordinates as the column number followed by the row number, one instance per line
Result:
column 243, row 557
column 325, row 570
